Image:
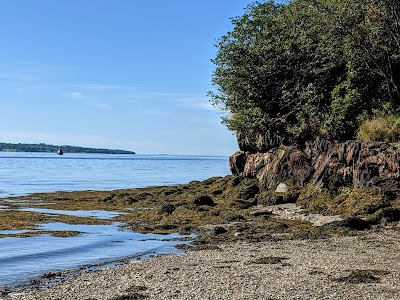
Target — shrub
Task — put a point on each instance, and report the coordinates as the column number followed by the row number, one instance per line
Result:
column 384, row 129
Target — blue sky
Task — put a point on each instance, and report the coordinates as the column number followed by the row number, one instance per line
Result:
column 124, row 74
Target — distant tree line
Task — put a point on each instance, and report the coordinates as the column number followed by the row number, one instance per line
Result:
column 309, row 68
column 53, row 148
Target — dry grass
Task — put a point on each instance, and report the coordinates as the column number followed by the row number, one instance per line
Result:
column 384, row 129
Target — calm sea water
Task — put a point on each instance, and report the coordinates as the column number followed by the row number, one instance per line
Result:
column 25, row 259
column 24, row 173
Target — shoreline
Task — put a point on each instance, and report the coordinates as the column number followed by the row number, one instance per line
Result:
column 266, row 249
column 339, row 267
column 53, row 278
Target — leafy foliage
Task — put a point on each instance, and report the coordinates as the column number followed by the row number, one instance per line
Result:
column 292, row 72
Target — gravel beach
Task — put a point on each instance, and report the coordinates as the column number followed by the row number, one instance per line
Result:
column 360, row 266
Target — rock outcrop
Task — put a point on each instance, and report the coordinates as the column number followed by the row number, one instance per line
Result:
column 325, row 164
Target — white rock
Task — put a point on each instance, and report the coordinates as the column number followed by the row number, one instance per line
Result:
column 281, row 188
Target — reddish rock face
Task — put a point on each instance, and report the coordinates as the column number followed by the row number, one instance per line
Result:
column 324, row 163
column 272, row 167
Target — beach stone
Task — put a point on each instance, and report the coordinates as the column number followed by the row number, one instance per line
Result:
column 281, row 188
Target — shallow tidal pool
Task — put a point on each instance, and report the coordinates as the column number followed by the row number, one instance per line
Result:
column 25, row 259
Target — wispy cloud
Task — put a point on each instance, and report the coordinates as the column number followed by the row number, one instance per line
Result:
column 88, row 99
column 103, row 87
column 157, row 112
column 74, row 95
column 204, row 105
column 18, row 76
column 195, row 102
column 133, row 95
column 99, row 105
column 103, row 96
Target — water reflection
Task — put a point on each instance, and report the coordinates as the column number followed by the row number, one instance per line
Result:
column 24, row 259
column 98, row 214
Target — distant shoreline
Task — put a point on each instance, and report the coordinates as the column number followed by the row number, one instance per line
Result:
column 45, row 148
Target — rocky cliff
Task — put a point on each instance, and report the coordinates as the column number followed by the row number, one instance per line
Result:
column 364, row 176
column 353, row 164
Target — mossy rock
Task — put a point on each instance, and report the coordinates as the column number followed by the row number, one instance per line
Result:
column 217, row 230
column 346, row 201
column 166, row 227
column 167, row 208
column 170, row 191
column 244, row 204
column 203, row 208
column 109, row 198
column 271, row 198
column 353, row 223
column 233, row 217
column 267, row 199
column 144, row 196
column 217, row 192
column 211, row 180
column 186, row 214
column 360, row 202
column 203, row 200
column 248, row 192
column 236, row 181
column 194, row 183
column 385, row 215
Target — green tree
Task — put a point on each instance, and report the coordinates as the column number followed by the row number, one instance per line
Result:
column 375, row 44
column 288, row 73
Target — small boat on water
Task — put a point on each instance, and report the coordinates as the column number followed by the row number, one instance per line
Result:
column 60, row 152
